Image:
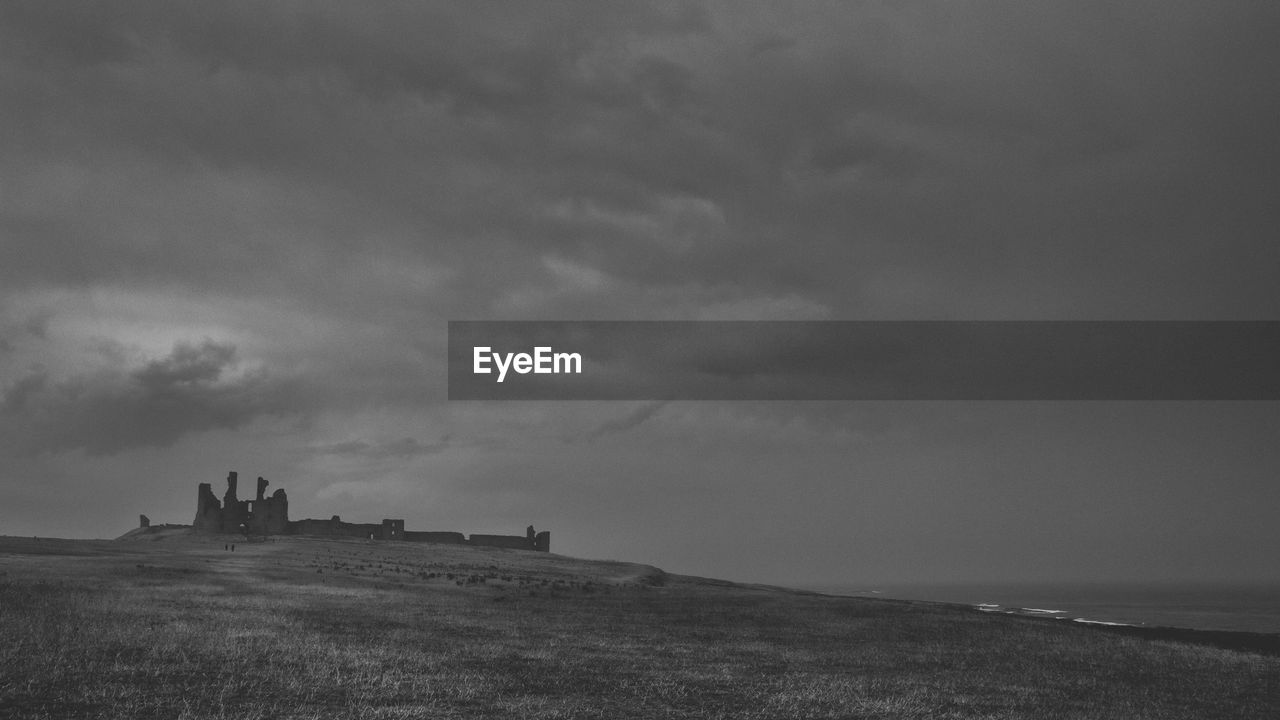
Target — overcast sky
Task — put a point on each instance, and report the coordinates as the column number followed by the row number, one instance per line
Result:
column 231, row 237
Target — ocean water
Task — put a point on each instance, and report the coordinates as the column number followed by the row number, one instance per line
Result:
column 1202, row 606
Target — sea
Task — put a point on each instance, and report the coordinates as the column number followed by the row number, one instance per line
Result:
column 1241, row 607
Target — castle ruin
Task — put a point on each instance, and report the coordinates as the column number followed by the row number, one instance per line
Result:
column 270, row 516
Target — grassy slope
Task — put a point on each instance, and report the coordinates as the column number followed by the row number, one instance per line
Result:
column 301, row 628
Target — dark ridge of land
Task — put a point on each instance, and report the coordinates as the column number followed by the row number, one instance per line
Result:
column 1263, row 643
column 179, row 626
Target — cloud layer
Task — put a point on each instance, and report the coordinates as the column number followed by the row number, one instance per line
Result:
column 233, row 234
column 194, row 389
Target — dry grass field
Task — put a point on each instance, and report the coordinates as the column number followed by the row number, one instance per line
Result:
column 309, row 628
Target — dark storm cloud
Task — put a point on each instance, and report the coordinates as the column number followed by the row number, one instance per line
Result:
column 647, row 160
column 877, row 160
column 403, row 130
column 627, row 422
column 190, row 391
column 403, row 448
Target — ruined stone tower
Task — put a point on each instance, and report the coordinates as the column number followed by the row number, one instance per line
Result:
column 269, row 515
column 235, row 512
column 262, row 515
column 208, row 511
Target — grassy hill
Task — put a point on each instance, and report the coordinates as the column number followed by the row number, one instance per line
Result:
column 183, row 627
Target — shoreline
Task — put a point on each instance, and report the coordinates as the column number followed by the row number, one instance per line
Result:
column 1227, row 606
column 1244, row 640
column 1265, row 643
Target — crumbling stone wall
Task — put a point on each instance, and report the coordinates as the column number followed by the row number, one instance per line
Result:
column 515, row 542
column 454, row 538
column 334, row 527
column 393, row 530
column 312, row 527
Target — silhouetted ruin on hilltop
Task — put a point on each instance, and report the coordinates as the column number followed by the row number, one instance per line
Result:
column 260, row 516
column 270, row 516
